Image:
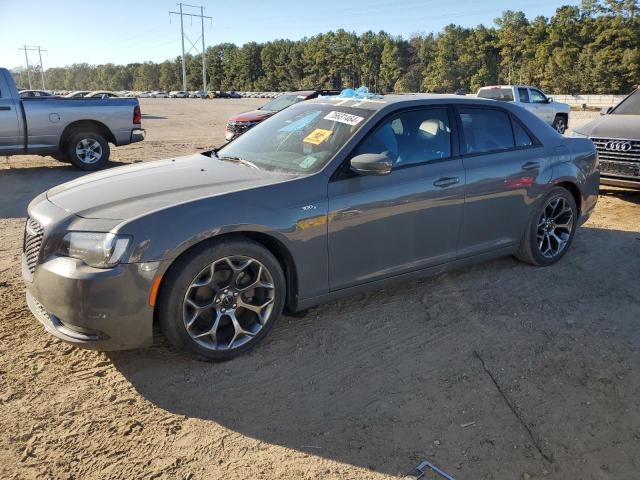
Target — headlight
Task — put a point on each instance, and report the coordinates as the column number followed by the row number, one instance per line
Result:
column 575, row 134
column 99, row 250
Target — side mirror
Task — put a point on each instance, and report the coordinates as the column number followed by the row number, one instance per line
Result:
column 371, row 164
column 549, row 100
column 606, row 110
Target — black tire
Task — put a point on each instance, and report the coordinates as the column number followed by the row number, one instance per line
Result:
column 90, row 138
column 177, row 282
column 560, row 124
column 530, row 249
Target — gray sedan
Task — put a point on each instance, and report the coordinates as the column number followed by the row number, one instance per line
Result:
column 327, row 198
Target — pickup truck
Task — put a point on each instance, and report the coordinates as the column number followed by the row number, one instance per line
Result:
column 554, row 113
column 69, row 129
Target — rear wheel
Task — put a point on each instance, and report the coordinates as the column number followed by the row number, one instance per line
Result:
column 222, row 299
column 87, row 150
column 551, row 228
column 560, row 124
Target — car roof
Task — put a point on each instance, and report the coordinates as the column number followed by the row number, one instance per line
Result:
column 378, row 102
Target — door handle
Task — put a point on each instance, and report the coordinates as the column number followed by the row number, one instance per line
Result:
column 446, row 181
column 531, row 166
column 4, row 107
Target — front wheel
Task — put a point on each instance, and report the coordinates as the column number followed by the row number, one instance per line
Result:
column 221, row 299
column 560, row 124
column 551, row 228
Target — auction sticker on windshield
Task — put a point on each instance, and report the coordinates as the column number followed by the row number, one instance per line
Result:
column 342, row 117
column 318, row 136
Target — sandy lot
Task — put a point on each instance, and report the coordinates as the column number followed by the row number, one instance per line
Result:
column 497, row 371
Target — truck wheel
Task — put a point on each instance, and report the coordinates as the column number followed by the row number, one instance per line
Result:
column 221, row 299
column 559, row 124
column 88, row 150
column 550, row 230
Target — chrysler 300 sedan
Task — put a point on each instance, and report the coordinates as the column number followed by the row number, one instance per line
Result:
column 326, row 198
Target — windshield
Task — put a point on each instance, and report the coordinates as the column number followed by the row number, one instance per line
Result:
column 301, row 139
column 629, row 106
column 282, row 102
column 502, row 94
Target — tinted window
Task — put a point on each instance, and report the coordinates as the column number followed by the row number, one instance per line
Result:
column 522, row 137
column 497, row 93
column 412, row 137
column 485, row 130
column 524, row 95
column 537, row 96
column 630, row 105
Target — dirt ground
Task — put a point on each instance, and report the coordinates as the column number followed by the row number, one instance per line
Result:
column 497, row 371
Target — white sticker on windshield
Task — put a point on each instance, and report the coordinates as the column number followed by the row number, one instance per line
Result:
column 344, row 118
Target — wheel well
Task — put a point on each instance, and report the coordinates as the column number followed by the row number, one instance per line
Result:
column 91, row 125
column 274, row 246
column 575, row 192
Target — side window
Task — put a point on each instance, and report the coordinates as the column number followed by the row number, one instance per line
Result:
column 485, row 130
column 524, row 95
column 412, row 137
column 521, row 136
column 537, row 96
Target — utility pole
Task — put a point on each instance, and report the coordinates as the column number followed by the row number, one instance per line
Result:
column 193, row 44
column 26, row 59
column 33, row 48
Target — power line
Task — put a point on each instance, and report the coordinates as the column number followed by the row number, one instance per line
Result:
column 193, row 46
column 33, row 48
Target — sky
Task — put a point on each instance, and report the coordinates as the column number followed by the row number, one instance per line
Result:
column 119, row 31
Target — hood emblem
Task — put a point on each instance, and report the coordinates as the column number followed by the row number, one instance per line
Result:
column 617, row 146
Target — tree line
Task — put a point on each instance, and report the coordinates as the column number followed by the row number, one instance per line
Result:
column 594, row 48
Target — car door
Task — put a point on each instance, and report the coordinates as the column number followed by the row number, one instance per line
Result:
column 11, row 141
column 380, row 226
column 542, row 107
column 524, row 102
column 505, row 166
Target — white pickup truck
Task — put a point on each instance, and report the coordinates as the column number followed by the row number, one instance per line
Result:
column 554, row 113
column 76, row 130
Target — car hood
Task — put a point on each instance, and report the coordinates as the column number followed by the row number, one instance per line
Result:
column 613, row 126
column 252, row 116
column 130, row 191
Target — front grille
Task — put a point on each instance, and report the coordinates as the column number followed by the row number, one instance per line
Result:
column 618, row 157
column 33, row 234
column 238, row 128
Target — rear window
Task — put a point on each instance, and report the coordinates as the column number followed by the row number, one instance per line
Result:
column 496, row 93
column 486, row 130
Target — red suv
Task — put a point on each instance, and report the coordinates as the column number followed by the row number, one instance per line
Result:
column 239, row 124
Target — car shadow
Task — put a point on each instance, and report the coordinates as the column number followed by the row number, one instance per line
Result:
column 632, row 196
column 384, row 379
column 18, row 186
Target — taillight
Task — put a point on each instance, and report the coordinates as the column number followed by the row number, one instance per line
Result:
column 137, row 115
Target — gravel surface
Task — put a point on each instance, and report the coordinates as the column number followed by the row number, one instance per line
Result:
column 496, row 371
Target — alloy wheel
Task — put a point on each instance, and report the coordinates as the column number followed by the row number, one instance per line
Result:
column 228, row 303
column 89, row 150
column 560, row 126
column 555, row 226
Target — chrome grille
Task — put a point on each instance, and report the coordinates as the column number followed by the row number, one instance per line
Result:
column 618, row 157
column 33, row 234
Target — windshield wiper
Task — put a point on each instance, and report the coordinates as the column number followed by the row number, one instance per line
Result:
column 241, row 161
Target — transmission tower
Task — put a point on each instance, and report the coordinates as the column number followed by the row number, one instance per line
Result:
column 193, row 44
column 33, row 48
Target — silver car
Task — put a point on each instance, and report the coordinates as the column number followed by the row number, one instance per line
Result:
column 327, row 198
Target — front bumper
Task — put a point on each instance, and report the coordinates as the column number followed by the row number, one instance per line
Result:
column 621, row 182
column 100, row 309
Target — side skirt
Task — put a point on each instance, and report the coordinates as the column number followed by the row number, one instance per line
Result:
column 385, row 282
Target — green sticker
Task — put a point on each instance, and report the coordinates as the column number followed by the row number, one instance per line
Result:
column 308, row 162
